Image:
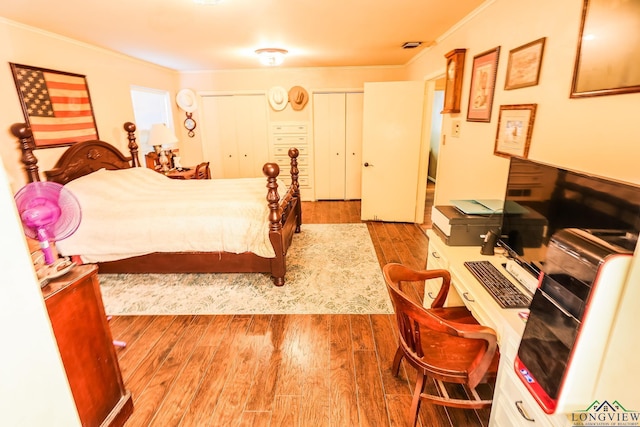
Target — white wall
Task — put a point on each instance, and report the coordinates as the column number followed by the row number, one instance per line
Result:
column 260, row 80
column 109, row 77
column 33, row 388
column 598, row 135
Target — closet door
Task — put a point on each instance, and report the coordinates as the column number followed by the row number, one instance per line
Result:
column 252, row 138
column 235, row 135
column 329, row 145
column 353, row 146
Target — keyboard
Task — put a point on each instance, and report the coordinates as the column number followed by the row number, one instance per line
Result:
column 501, row 289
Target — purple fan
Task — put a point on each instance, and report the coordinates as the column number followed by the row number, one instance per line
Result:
column 49, row 212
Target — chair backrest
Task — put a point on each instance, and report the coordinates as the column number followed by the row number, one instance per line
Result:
column 410, row 315
column 415, row 321
column 203, row 171
column 151, row 160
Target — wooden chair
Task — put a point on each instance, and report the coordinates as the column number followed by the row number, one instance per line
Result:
column 443, row 343
column 151, row 160
column 202, row 171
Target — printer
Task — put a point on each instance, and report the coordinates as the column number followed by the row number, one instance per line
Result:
column 457, row 228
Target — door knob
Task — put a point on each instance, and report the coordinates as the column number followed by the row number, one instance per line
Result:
column 367, row 164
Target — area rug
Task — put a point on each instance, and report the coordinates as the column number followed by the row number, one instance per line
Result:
column 331, row 269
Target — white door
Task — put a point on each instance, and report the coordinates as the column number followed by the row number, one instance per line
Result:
column 235, row 135
column 218, row 125
column 252, row 134
column 329, row 145
column 353, row 146
column 391, row 148
column 337, row 119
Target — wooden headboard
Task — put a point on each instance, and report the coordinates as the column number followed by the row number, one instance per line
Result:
column 78, row 160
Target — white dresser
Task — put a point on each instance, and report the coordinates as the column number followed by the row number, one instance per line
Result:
column 286, row 135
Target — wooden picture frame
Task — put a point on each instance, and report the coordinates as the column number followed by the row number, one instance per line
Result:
column 483, row 83
column 607, row 58
column 453, row 86
column 56, row 105
column 523, row 68
column 515, row 126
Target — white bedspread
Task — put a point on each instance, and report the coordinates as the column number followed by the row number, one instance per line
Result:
column 138, row 211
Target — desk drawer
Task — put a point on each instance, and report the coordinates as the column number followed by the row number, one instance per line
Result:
column 513, row 406
column 470, row 298
column 436, row 261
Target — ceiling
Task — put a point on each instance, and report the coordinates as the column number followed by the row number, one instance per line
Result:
column 185, row 36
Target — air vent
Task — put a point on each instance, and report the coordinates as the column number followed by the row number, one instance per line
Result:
column 411, row 45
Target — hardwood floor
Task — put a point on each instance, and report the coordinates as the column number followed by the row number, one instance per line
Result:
column 280, row 370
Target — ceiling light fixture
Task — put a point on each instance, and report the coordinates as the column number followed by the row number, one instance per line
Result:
column 271, row 57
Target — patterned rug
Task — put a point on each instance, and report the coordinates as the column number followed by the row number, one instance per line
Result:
column 331, row 269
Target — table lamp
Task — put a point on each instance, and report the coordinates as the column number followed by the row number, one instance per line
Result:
column 164, row 137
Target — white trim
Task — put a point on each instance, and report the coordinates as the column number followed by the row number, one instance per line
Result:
column 478, row 10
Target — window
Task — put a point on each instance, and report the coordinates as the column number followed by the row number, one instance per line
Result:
column 150, row 106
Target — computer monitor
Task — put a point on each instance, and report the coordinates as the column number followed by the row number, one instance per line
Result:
column 541, row 199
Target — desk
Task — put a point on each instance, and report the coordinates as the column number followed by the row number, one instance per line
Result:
column 512, row 403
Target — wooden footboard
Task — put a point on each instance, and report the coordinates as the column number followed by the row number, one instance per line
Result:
column 285, row 214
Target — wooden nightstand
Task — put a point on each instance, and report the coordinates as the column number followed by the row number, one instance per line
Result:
column 184, row 174
column 79, row 323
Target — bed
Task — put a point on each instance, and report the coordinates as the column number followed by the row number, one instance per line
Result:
column 208, row 245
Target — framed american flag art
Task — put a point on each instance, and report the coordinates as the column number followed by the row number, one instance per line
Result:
column 56, row 105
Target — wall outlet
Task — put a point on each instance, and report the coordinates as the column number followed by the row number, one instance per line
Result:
column 455, row 128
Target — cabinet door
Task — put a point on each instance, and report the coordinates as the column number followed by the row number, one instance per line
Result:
column 219, row 125
column 329, row 142
column 235, row 135
column 435, row 261
column 252, row 135
column 353, row 145
column 79, row 323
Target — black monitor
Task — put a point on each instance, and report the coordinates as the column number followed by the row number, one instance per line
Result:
column 541, row 199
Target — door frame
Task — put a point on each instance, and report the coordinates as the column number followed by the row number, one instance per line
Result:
column 430, row 89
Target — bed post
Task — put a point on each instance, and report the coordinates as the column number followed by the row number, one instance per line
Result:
column 293, row 155
column 278, row 267
column 133, row 146
column 27, row 145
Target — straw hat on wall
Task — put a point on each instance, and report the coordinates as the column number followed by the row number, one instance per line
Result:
column 278, row 98
column 298, row 97
column 186, row 100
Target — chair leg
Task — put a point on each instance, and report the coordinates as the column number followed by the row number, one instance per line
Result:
column 415, row 403
column 395, row 367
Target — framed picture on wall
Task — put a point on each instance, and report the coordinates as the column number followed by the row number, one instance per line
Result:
column 515, row 125
column 56, row 105
column 608, row 52
column 523, row 69
column 483, row 83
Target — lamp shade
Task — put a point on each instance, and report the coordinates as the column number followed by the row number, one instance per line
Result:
column 161, row 135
